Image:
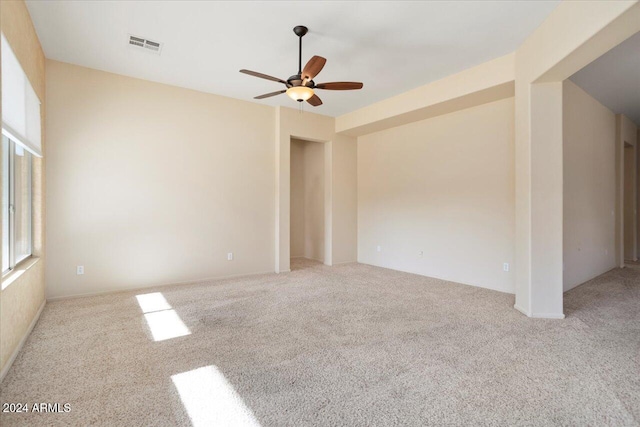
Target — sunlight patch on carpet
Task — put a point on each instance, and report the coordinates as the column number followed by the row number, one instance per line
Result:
column 163, row 321
column 154, row 301
column 210, row 400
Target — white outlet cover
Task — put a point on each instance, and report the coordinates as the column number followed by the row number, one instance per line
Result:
column 80, row 269
column 379, row 248
column 230, row 256
column 505, row 266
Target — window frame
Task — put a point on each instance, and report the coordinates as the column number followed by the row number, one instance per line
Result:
column 11, row 209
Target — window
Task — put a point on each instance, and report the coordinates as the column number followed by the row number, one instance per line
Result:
column 21, row 140
column 16, row 203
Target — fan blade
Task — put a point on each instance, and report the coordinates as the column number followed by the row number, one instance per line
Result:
column 263, row 76
column 315, row 101
column 313, row 67
column 339, row 86
column 267, row 95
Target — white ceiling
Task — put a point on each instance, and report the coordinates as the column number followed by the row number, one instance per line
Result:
column 391, row 46
column 614, row 79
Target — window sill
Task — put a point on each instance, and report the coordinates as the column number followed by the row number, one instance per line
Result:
column 12, row 275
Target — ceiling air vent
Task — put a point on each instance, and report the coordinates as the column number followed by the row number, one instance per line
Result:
column 147, row 45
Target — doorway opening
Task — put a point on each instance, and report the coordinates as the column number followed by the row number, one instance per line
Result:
column 307, row 216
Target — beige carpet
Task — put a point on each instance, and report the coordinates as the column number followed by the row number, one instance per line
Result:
column 348, row 345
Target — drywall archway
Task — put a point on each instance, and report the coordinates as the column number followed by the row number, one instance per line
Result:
column 286, row 129
column 575, row 34
column 340, row 182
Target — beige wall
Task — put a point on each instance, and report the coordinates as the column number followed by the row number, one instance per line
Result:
column 23, row 292
column 307, row 200
column 630, row 202
column 297, row 198
column 171, row 180
column 589, row 168
column 444, row 186
column 344, row 199
column 150, row 184
column 314, row 218
column 638, row 189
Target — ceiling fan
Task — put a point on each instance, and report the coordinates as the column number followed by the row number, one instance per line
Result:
column 300, row 87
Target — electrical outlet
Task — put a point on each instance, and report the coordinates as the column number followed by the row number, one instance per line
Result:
column 420, row 254
column 379, row 248
column 230, row 256
column 80, row 270
column 505, row 266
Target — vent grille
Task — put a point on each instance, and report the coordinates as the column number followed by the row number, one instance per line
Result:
column 152, row 45
column 142, row 43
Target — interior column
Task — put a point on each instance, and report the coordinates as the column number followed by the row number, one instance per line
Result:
column 539, row 192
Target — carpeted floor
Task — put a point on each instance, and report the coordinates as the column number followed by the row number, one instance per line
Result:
column 348, row 345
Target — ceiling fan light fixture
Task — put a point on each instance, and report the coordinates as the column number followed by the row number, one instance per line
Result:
column 300, row 93
column 300, row 87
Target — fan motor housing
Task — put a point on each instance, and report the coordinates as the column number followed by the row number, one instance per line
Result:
column 296, row 80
